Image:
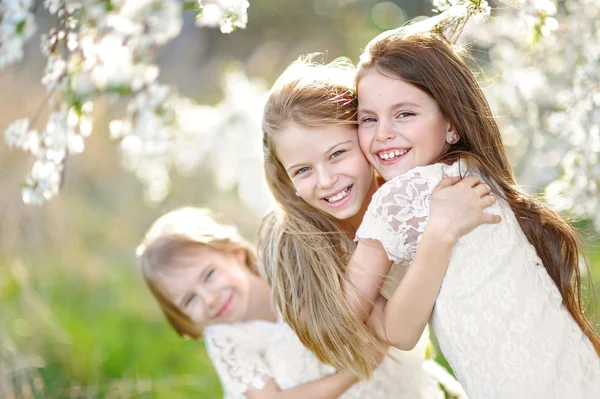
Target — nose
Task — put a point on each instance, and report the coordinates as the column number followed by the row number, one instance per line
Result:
column 384, row 131
column 210, row 298
column 325, row 178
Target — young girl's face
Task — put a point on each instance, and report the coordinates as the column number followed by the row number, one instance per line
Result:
column 209, row 286
column 400, row 126
column 327, row 168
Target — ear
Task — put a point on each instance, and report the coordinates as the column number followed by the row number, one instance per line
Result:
column 240, row 256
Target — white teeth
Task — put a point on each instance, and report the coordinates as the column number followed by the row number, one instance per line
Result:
column 338, row 196
column 391, row 154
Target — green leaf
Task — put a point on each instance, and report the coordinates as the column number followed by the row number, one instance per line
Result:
column 20, row 27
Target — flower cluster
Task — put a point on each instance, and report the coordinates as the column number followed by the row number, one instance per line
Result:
column 232, row 126
column 17, row 25
column 99, row 48
column 548, row 93
column 227, row 14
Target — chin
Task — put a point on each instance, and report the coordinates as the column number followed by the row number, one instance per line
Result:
column 345, row 214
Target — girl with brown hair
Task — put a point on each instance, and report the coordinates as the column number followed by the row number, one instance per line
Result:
column 509, row 313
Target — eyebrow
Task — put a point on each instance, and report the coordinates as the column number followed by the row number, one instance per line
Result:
column 393, row 106
column 289, row 169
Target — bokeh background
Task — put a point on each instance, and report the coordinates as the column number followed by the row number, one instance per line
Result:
column 76, row 320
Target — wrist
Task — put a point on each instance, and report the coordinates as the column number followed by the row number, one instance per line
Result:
column 440, row 235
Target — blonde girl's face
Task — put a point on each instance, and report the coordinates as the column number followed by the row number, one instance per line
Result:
column 209, row 286
column 327, row 168
column 400, row 126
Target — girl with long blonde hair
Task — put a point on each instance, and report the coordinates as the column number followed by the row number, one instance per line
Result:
column 508, row 309
column 206, row 280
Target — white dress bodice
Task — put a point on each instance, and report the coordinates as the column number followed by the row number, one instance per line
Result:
column 247, row 354
column 499, row 316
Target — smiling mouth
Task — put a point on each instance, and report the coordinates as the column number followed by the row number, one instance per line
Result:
column 390, row 155
column 339, row 196
column 225, row 308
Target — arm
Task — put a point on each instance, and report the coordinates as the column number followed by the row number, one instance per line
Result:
column 245, row 372
column 409, row 309
column 456, row 208
column 366, row 272
column 330, row 387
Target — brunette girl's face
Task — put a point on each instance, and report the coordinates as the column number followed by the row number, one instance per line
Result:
column 327, row 168
column 210, row 286
column 400, row 126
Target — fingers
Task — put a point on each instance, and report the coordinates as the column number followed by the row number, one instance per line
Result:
column 487, row 200
column 483, row 189
column 490, row 218
column 471, row 181
column 448, row 181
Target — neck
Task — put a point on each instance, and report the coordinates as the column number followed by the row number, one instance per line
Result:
column 260, row 305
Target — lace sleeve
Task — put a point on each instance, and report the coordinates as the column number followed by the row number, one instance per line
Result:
column 239, row 362
column 399, row 211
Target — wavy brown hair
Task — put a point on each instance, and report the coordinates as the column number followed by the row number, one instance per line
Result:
column 305, row 251
column 168, row 245
column 429, row 63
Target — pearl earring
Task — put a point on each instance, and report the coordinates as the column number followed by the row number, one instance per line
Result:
column 297, row 195
column 453, row 139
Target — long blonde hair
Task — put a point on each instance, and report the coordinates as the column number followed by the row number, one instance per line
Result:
column 429, row 63
column 169, row 240
column 305, row 251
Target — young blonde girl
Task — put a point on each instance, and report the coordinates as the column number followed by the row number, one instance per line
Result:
column 205, row 279
column 508, row 315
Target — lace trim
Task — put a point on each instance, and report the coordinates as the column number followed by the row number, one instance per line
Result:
column 378, row 229
column 240, row 366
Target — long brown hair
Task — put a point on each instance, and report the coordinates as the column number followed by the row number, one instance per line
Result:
column 303, row 250
column 429, row 63
column 167, row 244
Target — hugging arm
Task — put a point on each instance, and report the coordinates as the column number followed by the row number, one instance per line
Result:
column 456, row 208
column 329, row 387
column 244, row 372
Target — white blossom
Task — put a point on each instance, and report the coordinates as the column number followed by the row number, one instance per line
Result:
column 17, row 26
column 226, row 14
column 100, row 48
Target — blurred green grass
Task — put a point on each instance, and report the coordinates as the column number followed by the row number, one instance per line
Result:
column 101, row 334
column 97, row 337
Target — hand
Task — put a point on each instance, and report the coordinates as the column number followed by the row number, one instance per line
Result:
column 457, row 206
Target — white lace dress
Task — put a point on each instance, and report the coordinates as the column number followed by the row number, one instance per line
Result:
column 247, row 354
column 499, row 317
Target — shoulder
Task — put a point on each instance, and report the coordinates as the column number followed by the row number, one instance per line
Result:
column 420, row 180
column 248, row 333
column 237, row 351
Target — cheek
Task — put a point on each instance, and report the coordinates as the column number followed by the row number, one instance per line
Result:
column 197, row 312
column 364, row 141
column 304, row 187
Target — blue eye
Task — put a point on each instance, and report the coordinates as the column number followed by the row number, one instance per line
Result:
column 337, row 153
column 404, row 114
column 209, row 274
column 367, row 120
column 302, row 170
column 189, row 300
